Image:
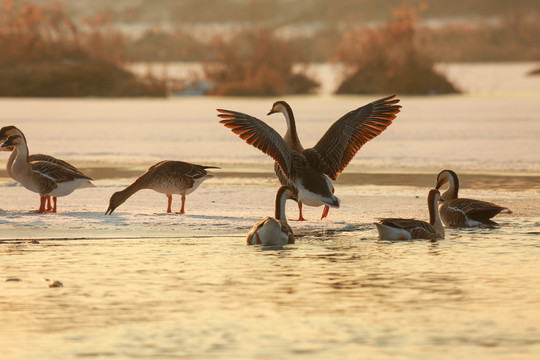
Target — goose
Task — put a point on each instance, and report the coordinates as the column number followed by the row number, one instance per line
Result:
column 462, row 212
column 274, row 231
column 7, row 131
column 43, row 177
column 166, row 177
column 307, row 172
column 292, row 140
column 408, row 229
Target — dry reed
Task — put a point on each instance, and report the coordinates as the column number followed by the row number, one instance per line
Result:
column 387, row 60
column 44, row 53
column 255, row 63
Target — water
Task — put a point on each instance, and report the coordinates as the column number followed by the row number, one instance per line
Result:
column 144, row 284
column 343, row 295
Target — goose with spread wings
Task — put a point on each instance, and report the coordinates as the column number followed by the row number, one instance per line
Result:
column 308, row 171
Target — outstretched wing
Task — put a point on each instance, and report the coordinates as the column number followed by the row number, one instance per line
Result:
column 257, row 133
column 346, row 136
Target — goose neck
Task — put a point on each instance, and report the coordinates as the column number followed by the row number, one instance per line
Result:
column 434, row 217
column 22, row 151
column 453, row 188
column 291, row 136
column 10, row 161
column 282, row 195
column 137, row 185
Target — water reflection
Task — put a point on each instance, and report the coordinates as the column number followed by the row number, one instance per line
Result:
column 216, row 297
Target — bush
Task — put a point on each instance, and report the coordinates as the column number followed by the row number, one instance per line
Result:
column 514, row 38
column 45, row 54
column 387, row 60
column 159, row 45
column 74, row 79
column 255, row 63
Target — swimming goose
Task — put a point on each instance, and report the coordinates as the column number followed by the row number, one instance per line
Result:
column 308, row 171
column 43, row 177
column 274, row 231
column 7, row 131
column 166, row 177
column 461, row 212
column 408, row 229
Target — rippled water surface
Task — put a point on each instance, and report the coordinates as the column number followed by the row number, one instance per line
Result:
column 144, row 284
column 341, row 295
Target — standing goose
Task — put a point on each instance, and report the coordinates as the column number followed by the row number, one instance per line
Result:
column 461, row 212
column 292, row 141
column 274, row 231
column 43, row 177
column 7, row 131
column 166, row 177
column 408, row 229
column 308, row 171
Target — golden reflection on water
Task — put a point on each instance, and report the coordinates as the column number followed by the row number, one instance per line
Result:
column 474, row 294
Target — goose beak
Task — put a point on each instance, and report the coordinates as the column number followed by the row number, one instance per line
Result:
column 109, row 210
column 271, row 112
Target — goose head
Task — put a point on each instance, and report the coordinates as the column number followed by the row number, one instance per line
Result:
column 116, row 200
column 291, row 136
column 280, row 107
column 13, row 141
column 450, row 177
column 6, row 132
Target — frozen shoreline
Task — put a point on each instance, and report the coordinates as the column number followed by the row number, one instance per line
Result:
column 225, row 206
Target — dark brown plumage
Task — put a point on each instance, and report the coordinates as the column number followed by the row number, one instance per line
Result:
column 408, row 229
column 463, row 212
column 167, row 177
column 307, row 171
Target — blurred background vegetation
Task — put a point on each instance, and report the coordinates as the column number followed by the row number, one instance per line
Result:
column 254, row 47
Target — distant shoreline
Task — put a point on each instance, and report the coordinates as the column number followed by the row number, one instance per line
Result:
column 510, row 182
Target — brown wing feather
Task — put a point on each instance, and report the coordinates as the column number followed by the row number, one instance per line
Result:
column 177, row 168
column 477, row 209
column 52, row 159
column 257, row 133
column 56, row 172
column 53, row 174
column 346, row 136
column 417, row 228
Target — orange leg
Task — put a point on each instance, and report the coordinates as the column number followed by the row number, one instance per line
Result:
column 169, row 204
column 183, row 202
column 326, row 209
column 54, row 205
column 325, row 212
column 49, row 207
column 300, row 217
column 41, row 209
